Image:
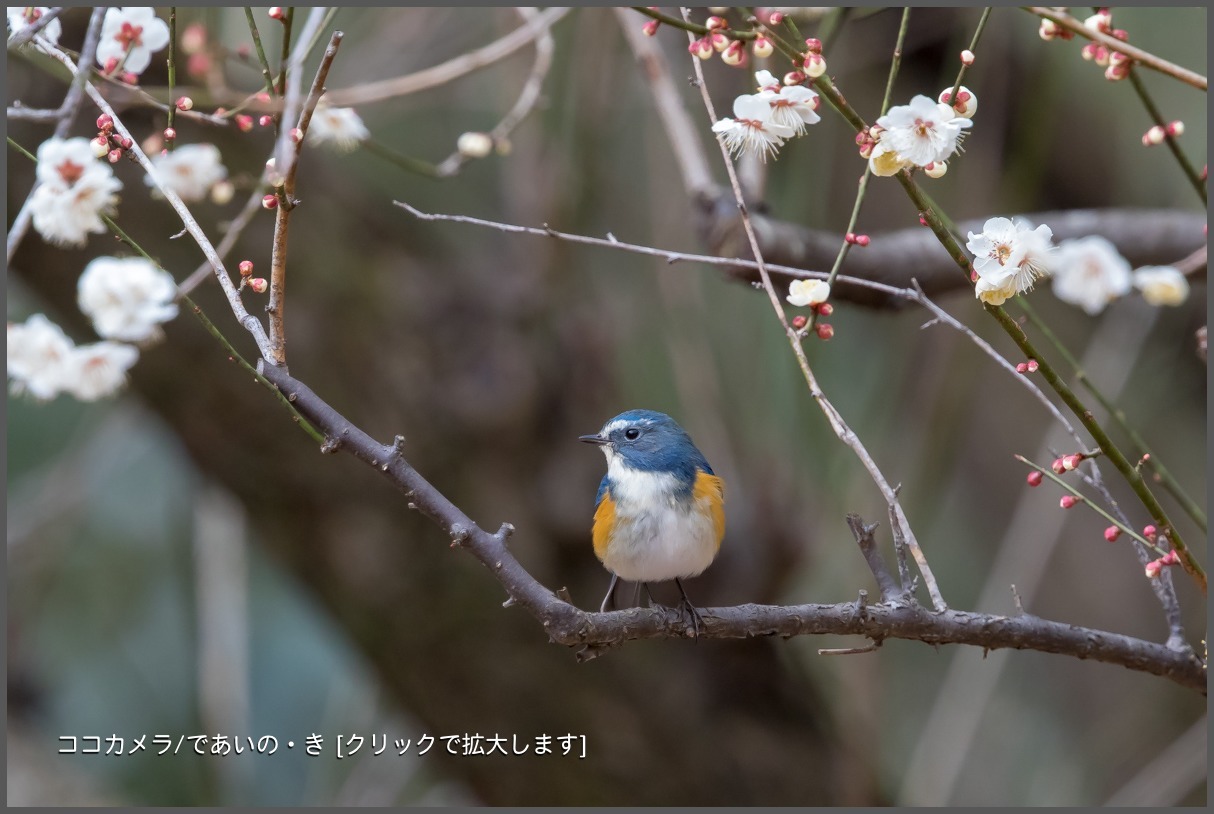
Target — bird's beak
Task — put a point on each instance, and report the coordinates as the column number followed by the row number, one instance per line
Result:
column 594, row 439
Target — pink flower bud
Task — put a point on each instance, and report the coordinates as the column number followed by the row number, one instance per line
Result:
column 1022, row 368
column 1068, row 501
column 277, row 13
column 110, row 66
column 850, row 237
column 1171, row 558
column 263, row 97
column 296, row 135
column 650, row 28
column 246, row 268
column 815, row 66
column 824, row 308
column 129, row 78
column 714, row 22
column 198, row 65
column 1069, row 462
column 114, row 156
column 1047, row 30
column 1150, row 532
column 825, row 331
column 100, row 146
column 1034, row 479
column 105, row 122
column 193, row 39
column 1155, row 135
column 265, row 121
column 734, row 55
column 169, row 134
column 862, row 240
column 245, row 123
column 1176, row 128
column 813, row 45
column 1089, row 51
column 1112, row 533
column 1032, row 363
column 967, row 57
column 269, row 201
column 794, row 78
column 719, row 41
column 259, row 284
column 1057, row 466
column 185, row 103
column 702, row 48
column 799, row 321
column 1121, row 34
column 762, row 47
column 776, row 18
column 936, row 169
column 1153, row 568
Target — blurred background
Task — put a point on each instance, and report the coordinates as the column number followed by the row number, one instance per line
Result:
column 182, row 560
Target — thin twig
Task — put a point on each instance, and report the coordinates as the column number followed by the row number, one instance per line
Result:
column 1113, row 44
column 451, row 69
column 545, row 45
column 840, row 427
column 1186, row 166
column 261, row 51
column 952, row 96
column 235, row 228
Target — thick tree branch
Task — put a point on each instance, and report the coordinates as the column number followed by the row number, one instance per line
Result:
column 567, row 625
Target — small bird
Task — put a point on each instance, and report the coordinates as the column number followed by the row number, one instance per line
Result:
column 660, row 510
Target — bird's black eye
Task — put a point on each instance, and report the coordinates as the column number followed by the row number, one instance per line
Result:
column 632, row 433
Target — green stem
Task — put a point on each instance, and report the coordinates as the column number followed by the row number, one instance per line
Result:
column 286, row 50
column 1049, row 473
column 692, row 27
column 1165, row 476
column 986, row 12
column 896, row 62
column 405, row 162
column 261, row 51
column 1173, row 145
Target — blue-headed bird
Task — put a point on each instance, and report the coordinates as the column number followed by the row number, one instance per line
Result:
column 660, row 510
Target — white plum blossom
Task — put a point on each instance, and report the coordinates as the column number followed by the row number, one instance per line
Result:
column 74, row 190
column 97, row 370
column 126, row 298
column 1008, row 258
column 1161, row 285
column 922, row 132
column 793, row 106
column 339, row 126
column 808, row 292
column 884, row 162
column 1090, row 273
column 191, row 171
column 752, row 128
column 37, row 354
column 19, row 17
column 129, row 37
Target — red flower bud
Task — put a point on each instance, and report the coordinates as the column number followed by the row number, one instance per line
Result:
column 825, row 331
column 1034, row 478
column 1068, row 501
column 1112, row 533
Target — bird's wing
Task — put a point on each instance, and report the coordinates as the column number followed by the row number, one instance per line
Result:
column 604, row 519
column 710, row 489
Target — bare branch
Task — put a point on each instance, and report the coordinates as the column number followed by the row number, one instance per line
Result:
column 451, row 69
column 872, row 555
column 567, row 625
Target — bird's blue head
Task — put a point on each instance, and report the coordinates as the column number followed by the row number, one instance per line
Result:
column 650, row 441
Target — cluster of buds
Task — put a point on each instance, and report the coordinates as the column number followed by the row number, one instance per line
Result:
column 855, row 239
column 866, row 140
column 814, row 63
column 1027, row 367
column 108, row 144
column 717, row 41
column 1067, row 463
column 1157, row 134
column 258, row 284
column 1154, row 567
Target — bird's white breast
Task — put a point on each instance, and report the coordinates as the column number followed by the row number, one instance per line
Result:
column 656, row 536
